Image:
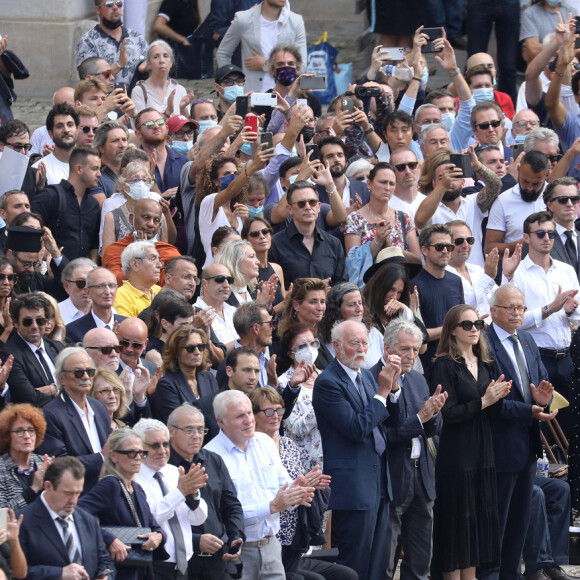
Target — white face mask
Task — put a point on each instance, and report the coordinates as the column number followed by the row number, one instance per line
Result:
column 139, row 190
column 307, row 354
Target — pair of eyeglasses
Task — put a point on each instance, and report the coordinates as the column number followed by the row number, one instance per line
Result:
column 189, row 431
column 40, row 321
column 106, row 73
column 86, row 129
column 125, row 343
column 151, row 124
column 133, row 453
column 459, row 241
column 257, row 233
column 22, row 432
column 232, row 82
column 522, row 124
column 80, row 373
column 104, row 286
column 220, row 279
column 20, row 146
column 271, row 322
column 564, row 199
column 80, row 284
column 152, row 259
column 195, row 348
column 302, row 203
column 412, row 165
column 158, row 445
column 272, row 412
column 182, row 134
column 485, row 126
column 9, row 277
column 111, row 3
column 189, row 278
column 512, row 309
column 29, row 264
column 107, row 349
column 314, row 344
column 554, row 158
column 542, row 233
column 107, row 392
column 469, row 324
column 358, row 343
column 441, row 247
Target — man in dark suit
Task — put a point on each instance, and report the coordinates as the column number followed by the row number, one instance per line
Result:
column 46, row 533
column 410, row 461
column 349, row 411
column 516, row 433
column 76, row 424
column 101, row 288
column 32, row 379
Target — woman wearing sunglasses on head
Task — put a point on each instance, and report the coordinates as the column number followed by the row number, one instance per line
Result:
column 185, row 359
column 466, row 525
column 7, row 280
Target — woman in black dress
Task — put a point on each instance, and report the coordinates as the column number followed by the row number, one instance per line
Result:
column 466, row 526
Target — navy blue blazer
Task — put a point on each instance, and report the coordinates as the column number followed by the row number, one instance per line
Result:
column 516, row 435
column 76, row 330
column 355, row 187
column 347, row 441
column 66, row 435
column 44, row 549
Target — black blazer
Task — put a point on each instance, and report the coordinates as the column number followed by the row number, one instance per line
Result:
column 66, row 435
column 45, row 551
column 76, row 330
column 27, row 373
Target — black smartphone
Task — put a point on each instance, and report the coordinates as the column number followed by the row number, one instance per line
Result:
column 315, row 151
column 517, row 148
column 463, row 161
column 433, row 34
column 268, row 138
column 347, row 105
column 242, row 105
column 234, row 549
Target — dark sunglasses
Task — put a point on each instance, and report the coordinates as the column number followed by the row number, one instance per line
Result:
column 40, row 321
column 157, row 445
column 271, row 412
column 107, row 349
column 554, row 158
column 564, row 199
column 124, row 343
column 195, row 348
column 20, row 146
column 9, row 277
column 302, row 203
column 86, row 129
column 441, row 247
column 542, row 233
column 80, row 283
column 132, row 453
column 412, row 165
column 470, row 240
column 80, row 373
column 484, row 126
column 256, row 233
column 110, row 4
column 220, row 279
column 469, row 324
column 106, row 73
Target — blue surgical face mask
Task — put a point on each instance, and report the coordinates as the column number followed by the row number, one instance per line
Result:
column 553, row 2
column 447, row 119
column 255, row 211
column 481, row 95
column 520, row 139
column 139, row 190
column 203, row 125
column 154, row 239
column 182, row 147
column 246, row 148
column 231, row 93
column 293, row 178
column 226, row 180
column 425, row 76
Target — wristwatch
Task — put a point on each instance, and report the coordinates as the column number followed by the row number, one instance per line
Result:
column 546, row 310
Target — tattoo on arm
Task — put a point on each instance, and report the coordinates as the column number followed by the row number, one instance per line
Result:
column 489, row 193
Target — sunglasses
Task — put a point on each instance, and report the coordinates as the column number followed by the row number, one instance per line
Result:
column 469, row 324
column 257, row 233
column 542, row 233
column 182, row 134
column 554, row 158
column 80, row 373
column 412, row 165
column 272, row 412
column 302, row 203
column 132, row 453
column 125, row 343
column 564, row 199
column 110, row 4
column 157, row 445
column 86, row 129
column 9, row 277
column 314, row 344
column 151, row 124
column 441, row 247
column 20, row 146
column 484, row 126
column 106, row 73
column 107, row 349
column 80, row 283
column 220, row 279
column 459, row 241
column 40, row 321
column 195, row 348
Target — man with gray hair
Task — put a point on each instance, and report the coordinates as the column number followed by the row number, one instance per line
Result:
column 263, row 485
column 140, row 263
column 173, row 496
column 111, row 140
column 410, row 460
column 224, row 526
column 74, row 280
column 547, row 142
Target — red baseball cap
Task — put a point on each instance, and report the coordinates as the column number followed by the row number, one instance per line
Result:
column 177, row 122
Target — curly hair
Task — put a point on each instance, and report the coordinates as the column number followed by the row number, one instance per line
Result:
column 300, row 289
column 177, row 341
column 26, row 412
column 208, row 177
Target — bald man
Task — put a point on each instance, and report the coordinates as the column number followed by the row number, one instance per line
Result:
column 103, row 347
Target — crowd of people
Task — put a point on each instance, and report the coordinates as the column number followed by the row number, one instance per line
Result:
column 289, row 341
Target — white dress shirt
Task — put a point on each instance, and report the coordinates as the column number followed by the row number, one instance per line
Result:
column 101, row 324
column 222, row 327
column 48, row 360
column 258, row 474
column 69, row 312
column 163, row 507
column 416, row 441
column 352, row 374
column 478, row 292
column 539, row 289
column 509, row 348
column 71, row 524
column 88, row 421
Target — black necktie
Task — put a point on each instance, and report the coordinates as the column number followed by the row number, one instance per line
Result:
column 571, row 248
column 47, row 371
column 70, row 543
column 377, row 436
column 521, row 360
column 180, row 554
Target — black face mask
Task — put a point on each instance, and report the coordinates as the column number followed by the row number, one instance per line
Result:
column 307, row 133
column 286, row 75
column 111, row 25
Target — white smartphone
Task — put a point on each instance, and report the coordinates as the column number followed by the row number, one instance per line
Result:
column 392, row 53
column 301, row 102
column 263, row 100
column 3, row 518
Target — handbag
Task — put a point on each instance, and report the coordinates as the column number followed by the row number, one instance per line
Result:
column 136, row 556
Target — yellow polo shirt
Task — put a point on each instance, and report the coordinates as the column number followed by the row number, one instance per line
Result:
column 130, row 301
